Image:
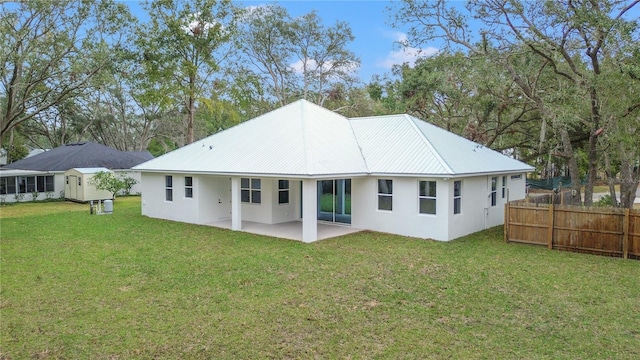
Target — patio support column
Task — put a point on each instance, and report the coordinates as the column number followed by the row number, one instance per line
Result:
column 309, row 210
column 236, row 213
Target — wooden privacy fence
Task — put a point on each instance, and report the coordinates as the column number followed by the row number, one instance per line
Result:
column 594, row 230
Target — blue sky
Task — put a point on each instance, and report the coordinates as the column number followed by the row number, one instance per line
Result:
column 375, row 40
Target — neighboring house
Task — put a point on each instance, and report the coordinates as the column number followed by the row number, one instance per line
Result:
column 301, row 162
column 44, row 173
column 79, row 187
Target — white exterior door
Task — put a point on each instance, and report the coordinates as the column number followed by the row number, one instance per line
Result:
column 224, row 200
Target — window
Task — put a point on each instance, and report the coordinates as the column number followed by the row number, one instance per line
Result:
column 8, row 185
column 31, row 184
column 67, row 179
column 283, row 191
column 385, row 194
column 457, row 196
column 45, row 183
column 250, row 191
column 22, row 184
column 504, row 187
column 188, row 186
column 494, row 190
column 168, row 185
column 516, row 177
column 79, row 181
column 427, row 197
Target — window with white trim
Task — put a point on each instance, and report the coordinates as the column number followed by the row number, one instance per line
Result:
column 457, row 196
column 250, row 190
column 427, row 197
column 494, row 191
column 504, row 187
column 385, row 194
column 188, row 186
column 283, row 191
column 168, row 188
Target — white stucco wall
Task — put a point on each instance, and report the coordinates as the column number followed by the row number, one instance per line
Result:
column 211, row 202
column 405, row 218
column 285, row 212
column 477, row 213
column 154, row 203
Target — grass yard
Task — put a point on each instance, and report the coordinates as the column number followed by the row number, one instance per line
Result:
column 76, row 286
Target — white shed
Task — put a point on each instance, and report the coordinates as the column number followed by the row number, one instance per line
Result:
column 78, row 185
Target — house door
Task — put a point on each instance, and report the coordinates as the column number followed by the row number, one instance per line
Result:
column 334, row 200
column 224, row 198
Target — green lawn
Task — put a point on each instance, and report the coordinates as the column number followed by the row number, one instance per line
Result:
column 77, row 286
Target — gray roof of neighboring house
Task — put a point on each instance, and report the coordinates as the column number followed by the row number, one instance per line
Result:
column 305, row 140
column 81, row 155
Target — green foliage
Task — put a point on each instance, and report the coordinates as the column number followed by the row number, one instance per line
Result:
column 106, row 180
column 17, row 152
column 270, row 40
column 604, row 201
column 53, row 50
column 199, row 292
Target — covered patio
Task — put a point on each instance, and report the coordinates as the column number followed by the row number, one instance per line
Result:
column 289, row 230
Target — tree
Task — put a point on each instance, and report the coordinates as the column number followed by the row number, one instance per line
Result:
column 50, row 52
column 571, row 40
column 106, row 180
column 293, row 58
column 183, row 46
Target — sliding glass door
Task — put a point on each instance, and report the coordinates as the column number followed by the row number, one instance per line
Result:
column 334, row 200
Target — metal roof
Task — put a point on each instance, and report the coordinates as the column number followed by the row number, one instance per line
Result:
column 299, row 139
column 302, row 139
column 81, row 155
column 403, row 144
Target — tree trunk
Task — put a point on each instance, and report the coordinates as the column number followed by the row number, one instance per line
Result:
column 629, row 175
column 572, row 162
column 611, row 179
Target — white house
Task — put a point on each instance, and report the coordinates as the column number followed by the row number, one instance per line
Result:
column 42, row 174
column 305, row 164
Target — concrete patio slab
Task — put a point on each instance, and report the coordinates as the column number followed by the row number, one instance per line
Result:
column 289, row 230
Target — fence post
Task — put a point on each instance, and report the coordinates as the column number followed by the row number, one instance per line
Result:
column 550, row 230
column 506, row 222
column 625, row 235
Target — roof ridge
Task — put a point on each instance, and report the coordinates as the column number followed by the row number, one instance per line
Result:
column 435, row 152
column 364, row 158
column 305, row 140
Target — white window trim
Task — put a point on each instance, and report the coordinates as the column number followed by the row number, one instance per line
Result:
column 493, row 192
column 284, row 190
column 188, row 187
column 378, row 194
column 457, row 197
column 435, row 197
column 251, row 189
column 168, row 188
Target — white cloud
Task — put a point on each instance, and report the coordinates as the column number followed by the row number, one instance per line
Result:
column 406, row 53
